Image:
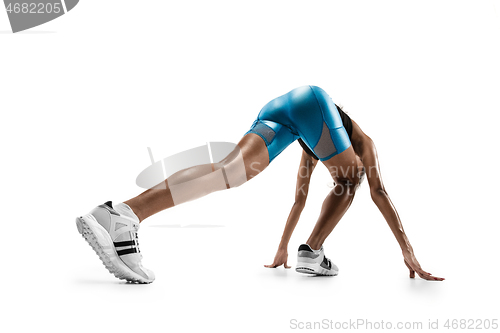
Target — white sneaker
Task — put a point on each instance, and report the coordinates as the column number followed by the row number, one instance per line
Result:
column 112, row 233
column 311, row 261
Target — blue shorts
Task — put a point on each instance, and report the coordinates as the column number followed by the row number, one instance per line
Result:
column 306, row 112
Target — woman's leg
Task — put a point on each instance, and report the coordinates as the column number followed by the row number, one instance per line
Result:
column 246, row 161
column 344, row 171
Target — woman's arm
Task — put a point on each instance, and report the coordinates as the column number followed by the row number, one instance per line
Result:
column 307, row 165
column 368, row 154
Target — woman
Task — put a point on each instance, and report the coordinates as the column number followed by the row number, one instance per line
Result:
column 335, row 205
column 307, row 113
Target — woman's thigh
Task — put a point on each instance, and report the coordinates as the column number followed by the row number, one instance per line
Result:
column 343, row 167
column 275, row 136
column 248, row 159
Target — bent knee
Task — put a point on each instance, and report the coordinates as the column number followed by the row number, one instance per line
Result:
column 348, row 181
column 349, row 185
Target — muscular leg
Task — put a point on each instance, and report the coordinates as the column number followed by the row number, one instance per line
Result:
column 198, row 181
column 343, row 168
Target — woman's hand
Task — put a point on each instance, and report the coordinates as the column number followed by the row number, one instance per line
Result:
column 280, row 259
column 413, row 265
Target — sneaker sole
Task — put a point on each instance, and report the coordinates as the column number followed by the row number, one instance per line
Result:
column 314, row 269
column 88, row 227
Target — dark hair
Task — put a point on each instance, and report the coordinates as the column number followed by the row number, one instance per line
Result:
column 341, row 107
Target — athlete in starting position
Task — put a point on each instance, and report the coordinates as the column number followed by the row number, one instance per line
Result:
column 324, row 131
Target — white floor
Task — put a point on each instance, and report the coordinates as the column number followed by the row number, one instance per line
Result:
column 82, row 97
column 210, row 275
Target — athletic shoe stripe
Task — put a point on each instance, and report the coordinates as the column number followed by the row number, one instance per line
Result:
column 126, row 251
column 124, row 243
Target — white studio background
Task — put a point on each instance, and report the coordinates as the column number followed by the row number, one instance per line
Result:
column 83, row 96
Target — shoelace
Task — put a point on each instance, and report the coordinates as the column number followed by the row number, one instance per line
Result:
column 136, row 238
column 137, row 242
